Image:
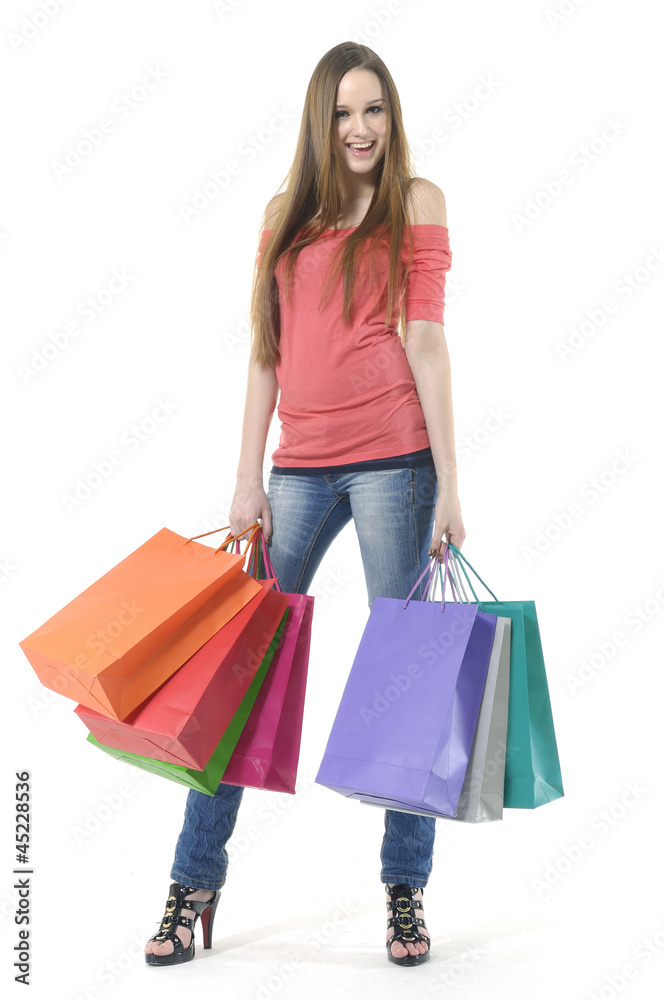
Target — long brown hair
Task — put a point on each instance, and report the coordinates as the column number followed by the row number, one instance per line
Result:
column 313, row 185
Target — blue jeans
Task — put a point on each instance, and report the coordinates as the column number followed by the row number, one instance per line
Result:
column 393, row 511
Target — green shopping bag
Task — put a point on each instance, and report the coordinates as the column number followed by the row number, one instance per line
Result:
column 532, row 767
column 208, row 779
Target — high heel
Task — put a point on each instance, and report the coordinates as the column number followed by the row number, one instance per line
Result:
column 401, row 901
column 173, row 918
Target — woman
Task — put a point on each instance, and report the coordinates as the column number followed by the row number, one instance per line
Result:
column 366, row 422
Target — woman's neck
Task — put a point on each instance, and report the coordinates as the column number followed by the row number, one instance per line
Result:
column 352, row 213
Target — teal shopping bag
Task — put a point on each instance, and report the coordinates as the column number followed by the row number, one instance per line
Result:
column 532, row 766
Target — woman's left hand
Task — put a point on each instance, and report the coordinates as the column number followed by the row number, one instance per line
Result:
column 448, row 523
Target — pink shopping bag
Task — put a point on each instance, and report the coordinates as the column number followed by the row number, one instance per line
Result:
column 267, row 753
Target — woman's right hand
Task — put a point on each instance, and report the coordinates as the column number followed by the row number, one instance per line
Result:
column 250, row 503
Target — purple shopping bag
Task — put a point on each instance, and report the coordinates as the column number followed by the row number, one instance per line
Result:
column 404, row 728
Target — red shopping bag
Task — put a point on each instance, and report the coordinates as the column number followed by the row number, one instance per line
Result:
column 267, row 753
column 184, row 720
column 122, row 637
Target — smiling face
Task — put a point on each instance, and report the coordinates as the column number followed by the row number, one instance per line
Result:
column 361, row 118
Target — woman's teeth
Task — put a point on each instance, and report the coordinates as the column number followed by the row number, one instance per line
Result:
column 361, row 149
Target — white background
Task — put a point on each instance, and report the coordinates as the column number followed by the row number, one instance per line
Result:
column 537, row 92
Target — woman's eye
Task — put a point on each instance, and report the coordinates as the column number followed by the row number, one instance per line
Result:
column 374, row 107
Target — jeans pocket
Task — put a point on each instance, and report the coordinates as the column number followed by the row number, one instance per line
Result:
column 422, row 486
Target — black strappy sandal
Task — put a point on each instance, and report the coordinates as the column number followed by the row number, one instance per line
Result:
column 173, row 918
column 401, row 901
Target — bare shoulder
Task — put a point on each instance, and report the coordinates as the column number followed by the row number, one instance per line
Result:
column 425, row 203
column 272, row 211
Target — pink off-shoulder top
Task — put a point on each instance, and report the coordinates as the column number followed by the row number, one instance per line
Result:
column 347, row 394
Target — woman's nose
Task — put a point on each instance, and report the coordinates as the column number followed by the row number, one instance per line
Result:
column 358, row 125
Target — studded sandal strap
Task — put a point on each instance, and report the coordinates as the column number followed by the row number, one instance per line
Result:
column 199, row 906
column 405, row 921
column 404, row 913
column 404, row 917
column 412, row 938
column 179, row 897
column 168, row 936
column 415, row 903
column 167, row 930
column 411, row 903
column 407, row 932
column 173, row 914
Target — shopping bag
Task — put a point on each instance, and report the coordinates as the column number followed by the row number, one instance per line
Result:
column 405, row 725
column 267, row 753
column 207, row 779
column 532, row 768
column 114, row 644
column 184, row 720
column 481, row 798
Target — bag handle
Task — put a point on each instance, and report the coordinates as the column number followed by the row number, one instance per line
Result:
column 235, row 543
column 428, row 590
column 456, row 580
column 268, row 562
column 461, row 559
column 231, row 538
column 258, row 538
column 431, row 585
column 459, row 569
column 431, row 569
column 268, row 568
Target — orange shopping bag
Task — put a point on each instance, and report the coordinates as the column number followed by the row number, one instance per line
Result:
column 113, row 645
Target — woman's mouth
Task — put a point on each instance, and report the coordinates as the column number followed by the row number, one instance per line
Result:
column 361, row 149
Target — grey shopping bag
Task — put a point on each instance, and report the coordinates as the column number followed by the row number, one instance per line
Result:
column 481, row 798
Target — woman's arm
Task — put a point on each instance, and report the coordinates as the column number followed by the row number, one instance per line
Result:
column 429, row 361
column 250, row 500
column 428, row 357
